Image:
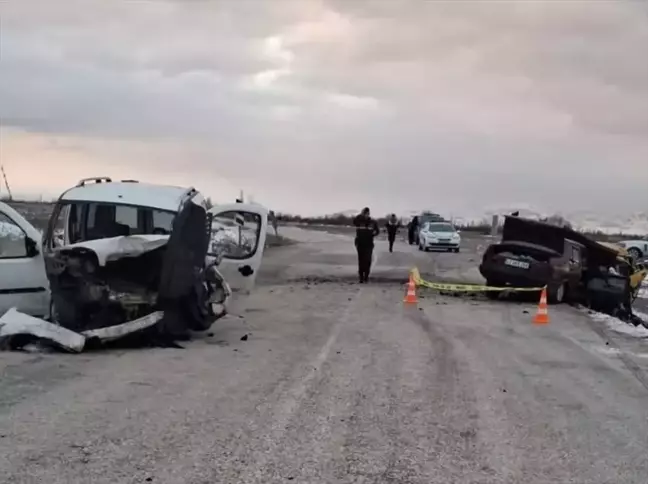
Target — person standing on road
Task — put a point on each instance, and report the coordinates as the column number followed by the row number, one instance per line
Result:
column 392, row 227
column 366, row 230
column 412, row 229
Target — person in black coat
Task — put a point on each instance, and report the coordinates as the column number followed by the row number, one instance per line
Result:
column 392, row 227
column 366, row 230
column 412, row 228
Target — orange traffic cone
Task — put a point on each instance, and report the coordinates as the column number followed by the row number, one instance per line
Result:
column 542, row 316
column 410, row 298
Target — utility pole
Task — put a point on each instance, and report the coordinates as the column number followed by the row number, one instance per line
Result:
column 4, row 175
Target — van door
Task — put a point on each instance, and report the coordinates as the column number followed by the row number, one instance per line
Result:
column 238, row 236
column 23, row 283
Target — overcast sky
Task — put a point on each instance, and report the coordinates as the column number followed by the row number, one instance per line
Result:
column 315, row 106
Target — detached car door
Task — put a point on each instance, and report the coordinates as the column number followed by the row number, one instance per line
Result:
column 23, row 283
column 238, row 238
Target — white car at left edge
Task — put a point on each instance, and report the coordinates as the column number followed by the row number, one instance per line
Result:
column 23, row 282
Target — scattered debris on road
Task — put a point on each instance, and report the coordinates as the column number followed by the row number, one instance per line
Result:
column 18, row 330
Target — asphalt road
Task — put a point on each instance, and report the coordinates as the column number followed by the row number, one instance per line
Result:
column 341, row 383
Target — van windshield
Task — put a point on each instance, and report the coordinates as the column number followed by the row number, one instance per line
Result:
column 92, row 221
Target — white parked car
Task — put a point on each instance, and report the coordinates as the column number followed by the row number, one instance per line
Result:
column 439, row 235
column 23, row 283
column 638, row 249
column 127, row 251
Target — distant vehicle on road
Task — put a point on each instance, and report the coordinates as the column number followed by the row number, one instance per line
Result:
column 439, row 235
column 638, row 249
column 430, row 217
column 423, row 218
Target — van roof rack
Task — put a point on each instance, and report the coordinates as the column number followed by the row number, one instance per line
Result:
column 96, row 179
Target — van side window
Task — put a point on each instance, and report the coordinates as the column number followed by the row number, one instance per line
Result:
column 127, row 216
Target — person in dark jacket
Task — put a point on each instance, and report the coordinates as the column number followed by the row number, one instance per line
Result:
column 392, row 227
column 366, row 230
column 412, row 229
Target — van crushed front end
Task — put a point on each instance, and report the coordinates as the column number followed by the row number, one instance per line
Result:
column 153, row 289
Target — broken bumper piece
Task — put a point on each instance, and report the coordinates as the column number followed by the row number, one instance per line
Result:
column 18, row 329
column 112, row 333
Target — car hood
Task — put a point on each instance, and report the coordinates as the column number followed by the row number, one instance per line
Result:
column 442, row 235
column 115, row 248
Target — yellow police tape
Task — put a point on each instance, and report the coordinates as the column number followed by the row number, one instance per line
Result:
column 465, row 287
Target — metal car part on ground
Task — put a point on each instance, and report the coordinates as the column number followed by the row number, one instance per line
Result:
column 105, row 282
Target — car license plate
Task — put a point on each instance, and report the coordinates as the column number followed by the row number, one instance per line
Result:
column 517, row 263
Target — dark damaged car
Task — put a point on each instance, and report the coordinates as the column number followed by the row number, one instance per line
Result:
column 138, row 259
column 534, row 254
column 571, row 265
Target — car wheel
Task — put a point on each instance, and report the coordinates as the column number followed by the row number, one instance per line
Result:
column 556, row 294
column 457, row 250
column 635, row 253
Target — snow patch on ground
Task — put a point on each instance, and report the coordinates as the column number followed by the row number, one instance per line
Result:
column 619, row 326
column 610, row 351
